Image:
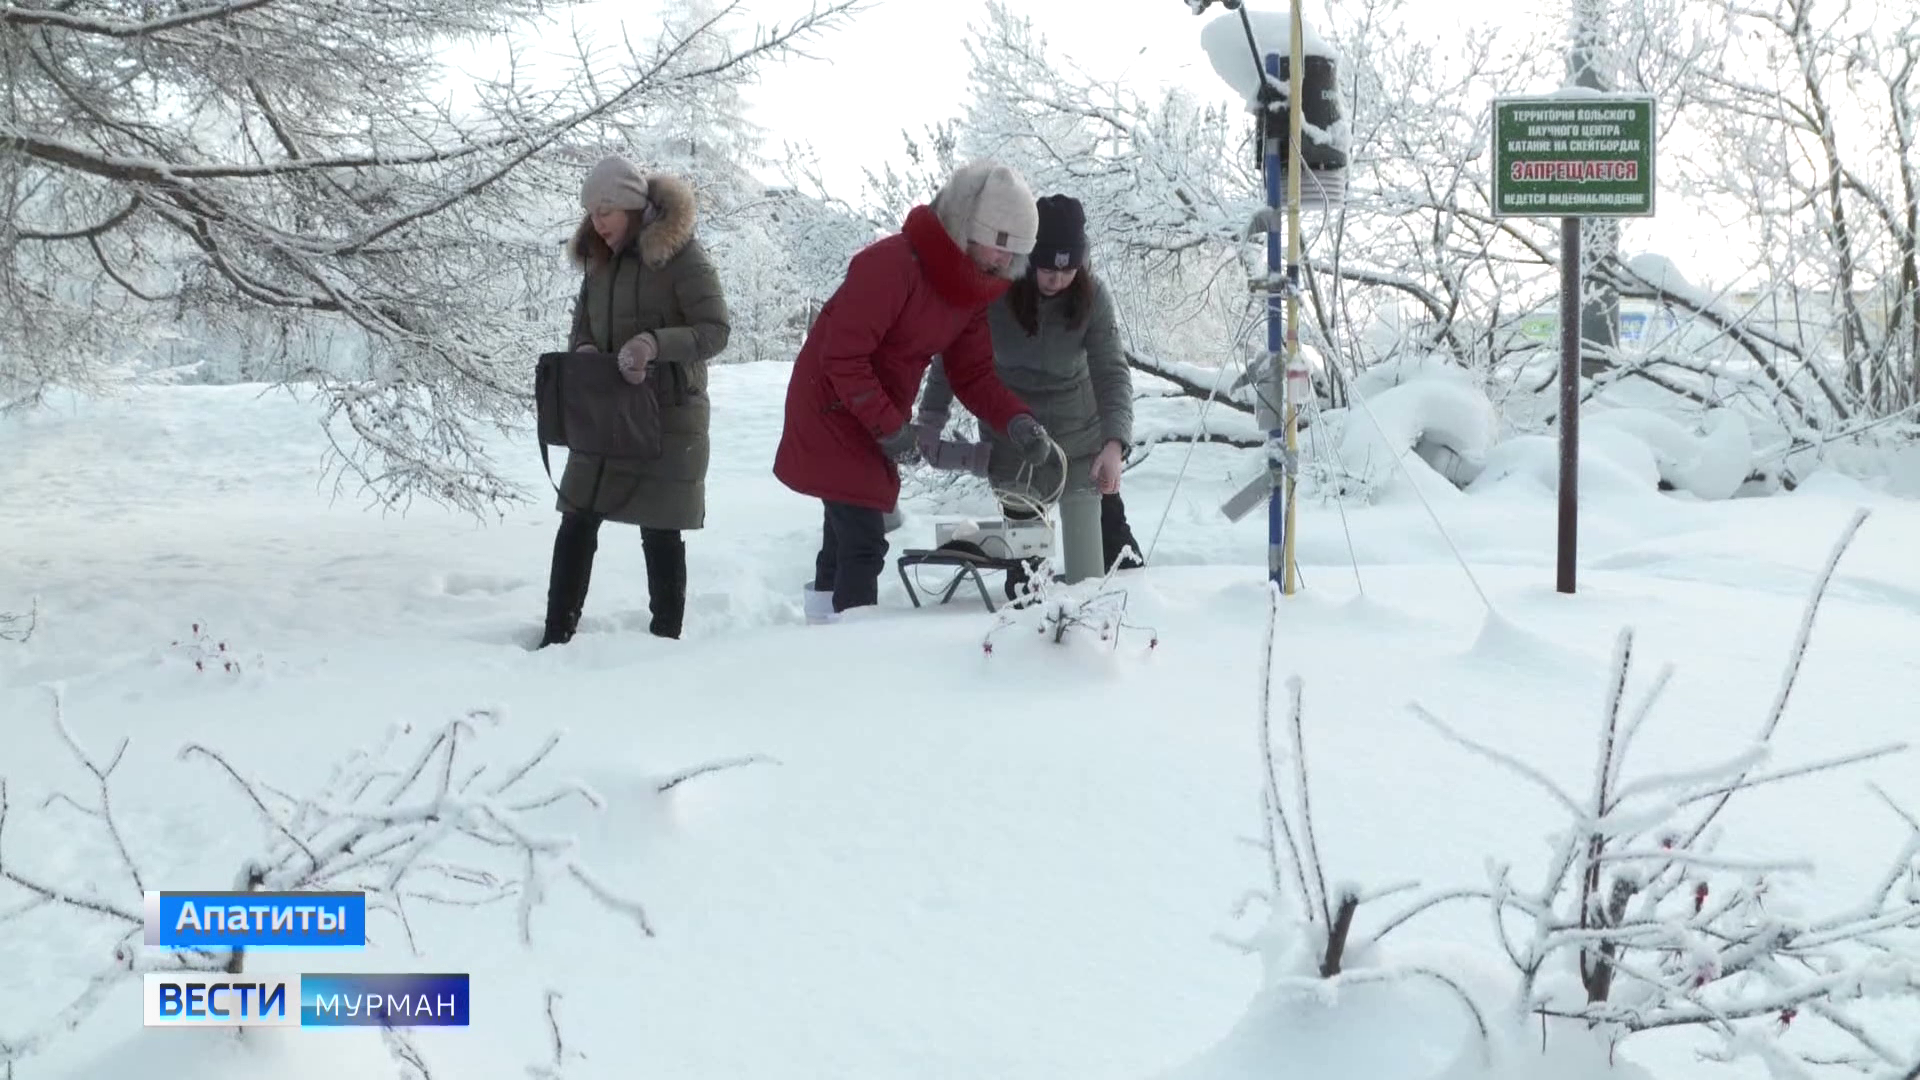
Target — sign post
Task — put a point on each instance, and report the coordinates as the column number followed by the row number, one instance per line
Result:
column 1575, row 154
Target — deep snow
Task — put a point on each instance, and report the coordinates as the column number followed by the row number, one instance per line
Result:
column 950, row 863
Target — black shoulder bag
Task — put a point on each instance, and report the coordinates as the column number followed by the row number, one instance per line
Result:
column 584, row 404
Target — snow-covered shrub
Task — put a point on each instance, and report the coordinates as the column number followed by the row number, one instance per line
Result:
column 1050, row 609
column 1642, row 923
column 1331, row 1006
column 1446, row 421
column 1710, row 466
column 383, row 823
column 208, row 653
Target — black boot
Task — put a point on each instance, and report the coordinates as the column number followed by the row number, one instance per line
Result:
column 574, row 545
column 1116, row 537
column 666, row 553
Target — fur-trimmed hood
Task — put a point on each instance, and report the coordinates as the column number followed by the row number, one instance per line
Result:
column 661, row 234
column 946, row 265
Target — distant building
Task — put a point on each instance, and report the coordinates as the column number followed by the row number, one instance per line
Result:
column 1639, row 319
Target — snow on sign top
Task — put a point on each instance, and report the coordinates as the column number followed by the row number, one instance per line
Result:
column 1225, row 40
column 1574, row 90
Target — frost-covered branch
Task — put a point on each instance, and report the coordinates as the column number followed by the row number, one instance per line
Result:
column 685, row 775
column 1668, row 931
column 558, row 1051
column 283, row 175
column 420, row 816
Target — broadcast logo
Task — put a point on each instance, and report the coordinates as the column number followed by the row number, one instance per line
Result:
column 344, row 999
column 197, row 921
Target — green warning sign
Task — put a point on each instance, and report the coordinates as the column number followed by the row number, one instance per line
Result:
column 1586, row 155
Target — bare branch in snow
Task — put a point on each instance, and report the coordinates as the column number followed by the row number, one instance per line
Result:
column 1795, row 656
column 1668, row 931
column 558, row 1052
column 685, row 775
column 1279, row 817
column 380, row 824
column 102, row 774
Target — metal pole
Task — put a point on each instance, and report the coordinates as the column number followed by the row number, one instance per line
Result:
column 1569, row 399
column 1296, row 161
column 1276, row 328
column 1600, row 308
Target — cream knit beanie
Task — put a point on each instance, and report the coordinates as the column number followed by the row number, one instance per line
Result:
column 614, row 184
column 990, row 204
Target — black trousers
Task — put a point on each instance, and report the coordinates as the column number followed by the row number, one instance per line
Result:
column 1116, row 536
column 853, row 555
column 574, row 546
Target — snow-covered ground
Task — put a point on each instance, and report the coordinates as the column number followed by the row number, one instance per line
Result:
column 943, row 862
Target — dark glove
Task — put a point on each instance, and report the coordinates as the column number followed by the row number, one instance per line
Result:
column 956, row 456
column 928, row 439
column 1030, row 439
column 903, row 446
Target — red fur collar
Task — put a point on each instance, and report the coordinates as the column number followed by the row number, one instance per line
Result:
column 947, row 267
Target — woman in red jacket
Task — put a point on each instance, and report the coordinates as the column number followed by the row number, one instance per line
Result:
column 921, row 292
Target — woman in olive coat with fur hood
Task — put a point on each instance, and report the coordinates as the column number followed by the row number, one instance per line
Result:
column 652, row 302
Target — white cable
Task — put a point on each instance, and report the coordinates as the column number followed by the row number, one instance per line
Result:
column 1020, row 498
column 1398, row 463
column 1338, row 503
column 1024, row 478
column 1353, row 391
column 1201, row 420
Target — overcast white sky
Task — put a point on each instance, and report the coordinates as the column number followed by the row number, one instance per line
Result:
column 902, row 64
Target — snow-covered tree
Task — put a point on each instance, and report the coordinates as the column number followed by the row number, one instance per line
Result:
column 819, row 237
column 1793, row 123
column 772, row 251
column 1167, row 183
column 234, row 164
column 767, row 312
column 1173, row 187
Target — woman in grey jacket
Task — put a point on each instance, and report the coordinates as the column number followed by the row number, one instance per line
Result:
column 1056, row 346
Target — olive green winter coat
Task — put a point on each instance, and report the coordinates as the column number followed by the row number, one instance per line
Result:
column 660, row 282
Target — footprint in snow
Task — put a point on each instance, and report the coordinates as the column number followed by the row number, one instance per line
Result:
column 466, row 584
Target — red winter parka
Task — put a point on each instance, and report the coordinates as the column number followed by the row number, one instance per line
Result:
column 905, row 299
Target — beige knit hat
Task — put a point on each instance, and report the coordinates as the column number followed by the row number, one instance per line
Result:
column 614, row 184
column 989, row 203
